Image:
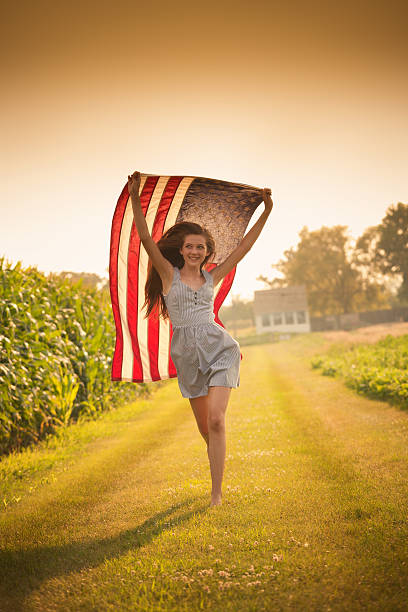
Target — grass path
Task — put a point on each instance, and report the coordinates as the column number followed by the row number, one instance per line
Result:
column 314, row 514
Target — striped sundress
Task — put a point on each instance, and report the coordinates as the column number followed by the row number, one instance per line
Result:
column 202, row 351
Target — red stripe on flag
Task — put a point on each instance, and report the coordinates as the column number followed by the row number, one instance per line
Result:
column 116, row 370
column 157, row 232
column 222, row 294
column 223, row 291
column 172, row 367
column 133, row 282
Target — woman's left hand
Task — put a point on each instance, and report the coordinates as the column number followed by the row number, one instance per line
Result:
column 267, row 198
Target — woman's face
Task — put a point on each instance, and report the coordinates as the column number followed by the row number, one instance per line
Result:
column 194, row 249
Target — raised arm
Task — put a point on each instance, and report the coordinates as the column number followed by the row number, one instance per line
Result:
column 246, row 243
column 162, row 265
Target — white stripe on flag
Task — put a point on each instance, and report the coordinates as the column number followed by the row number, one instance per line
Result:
column 142, row 323
column 164, row 325
column 127, row 356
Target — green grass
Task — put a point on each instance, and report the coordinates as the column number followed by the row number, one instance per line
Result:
column 313, row 517
column 22, row 472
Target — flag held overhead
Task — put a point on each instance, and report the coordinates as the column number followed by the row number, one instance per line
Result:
column 142, row 350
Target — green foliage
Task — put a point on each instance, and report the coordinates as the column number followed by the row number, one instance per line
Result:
column 238, row 310
column 86, row 279
column 56, row 340
column 384, row 247
column 378, row 370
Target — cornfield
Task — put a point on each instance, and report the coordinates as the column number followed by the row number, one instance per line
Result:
column 56, row 340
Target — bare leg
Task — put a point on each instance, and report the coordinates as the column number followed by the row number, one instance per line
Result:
column 209, row 411
column 217, row 405
column 200, row 409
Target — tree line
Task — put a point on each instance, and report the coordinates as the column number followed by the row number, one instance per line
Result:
column 342, row 274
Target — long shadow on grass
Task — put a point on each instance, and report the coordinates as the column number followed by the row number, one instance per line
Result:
column 24, row 570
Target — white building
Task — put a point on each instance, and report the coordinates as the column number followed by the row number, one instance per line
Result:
column 282, row 310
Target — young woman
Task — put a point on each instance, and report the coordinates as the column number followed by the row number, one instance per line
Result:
column 206, row 358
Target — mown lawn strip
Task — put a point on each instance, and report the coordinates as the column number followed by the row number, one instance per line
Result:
column 303, row 526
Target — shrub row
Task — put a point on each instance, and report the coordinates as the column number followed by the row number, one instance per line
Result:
column 56, row 341
column 378, row 370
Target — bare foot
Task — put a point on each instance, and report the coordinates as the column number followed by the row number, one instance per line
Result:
column 216, row 500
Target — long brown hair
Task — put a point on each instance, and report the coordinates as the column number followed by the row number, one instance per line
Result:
column 170, row 244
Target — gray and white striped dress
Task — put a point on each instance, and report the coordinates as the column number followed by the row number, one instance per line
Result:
column 202, row 351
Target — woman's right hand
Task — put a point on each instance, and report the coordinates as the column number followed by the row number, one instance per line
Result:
column 134, row 183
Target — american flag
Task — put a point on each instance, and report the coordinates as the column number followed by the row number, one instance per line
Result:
column 142, row 350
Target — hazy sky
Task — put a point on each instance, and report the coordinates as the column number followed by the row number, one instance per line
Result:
column 307, row 98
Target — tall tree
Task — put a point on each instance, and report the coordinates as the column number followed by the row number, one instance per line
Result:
column 383, row 248
column 323, row 261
